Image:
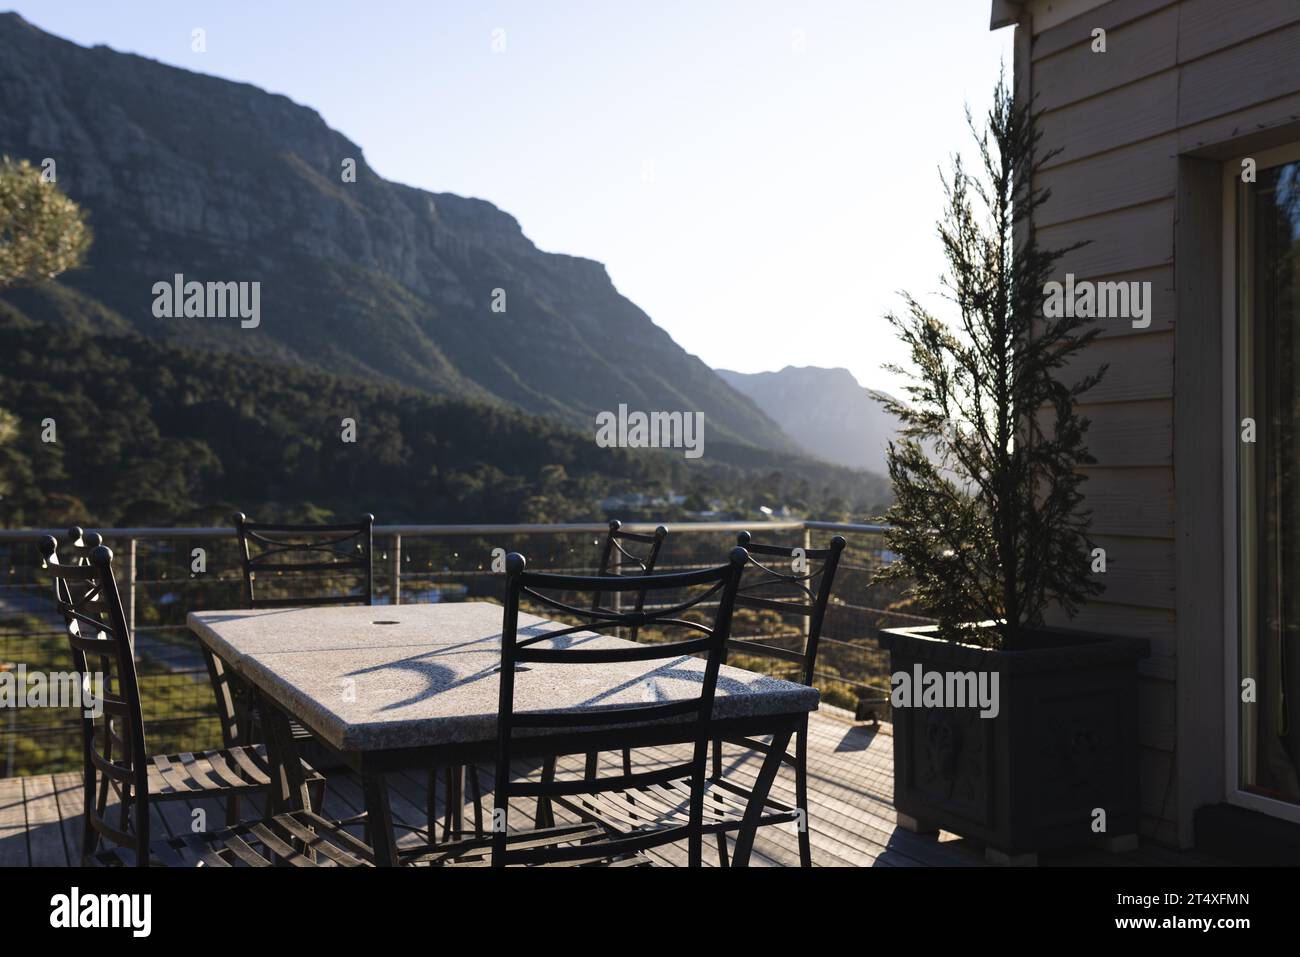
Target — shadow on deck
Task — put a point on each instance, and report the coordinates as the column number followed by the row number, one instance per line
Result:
column 851, row 815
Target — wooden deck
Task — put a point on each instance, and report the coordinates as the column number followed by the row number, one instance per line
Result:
column 852, row 819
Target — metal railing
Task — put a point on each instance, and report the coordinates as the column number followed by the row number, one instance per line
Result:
column 166, row 572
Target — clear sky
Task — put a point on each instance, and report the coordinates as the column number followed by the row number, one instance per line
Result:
column 760, row 177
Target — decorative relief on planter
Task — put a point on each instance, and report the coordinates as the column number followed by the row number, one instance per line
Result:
column 950, row 758
column 1077, row 749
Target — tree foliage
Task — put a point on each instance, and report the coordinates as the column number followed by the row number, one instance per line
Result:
column 151, row 433
column 988, row 519
column 42, row 231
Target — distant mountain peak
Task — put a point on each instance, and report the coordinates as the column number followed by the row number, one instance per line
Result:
column 824, row 410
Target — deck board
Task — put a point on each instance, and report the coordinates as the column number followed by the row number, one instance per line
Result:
column 45, row 841
column 851, row 818
column 68, row 795
column 13, row 824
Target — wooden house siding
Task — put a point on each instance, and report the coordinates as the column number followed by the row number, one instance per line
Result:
column 1178, row 77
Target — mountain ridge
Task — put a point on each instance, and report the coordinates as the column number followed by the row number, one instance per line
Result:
column 220, row 180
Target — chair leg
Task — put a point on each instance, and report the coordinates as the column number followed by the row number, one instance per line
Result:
column 454, row 823
column 446, row 805
column 431, row 807
column 717, row 797
column 758, row 797
column 627, row 770
column 232, row 810
column 476, row 794
column 316, row 791
column 89, row 839
column 593, row 765
column 545, row 816
column 367, row 832
column 96, row 796
column 101, row 802
column 801, row 795
column 722, row 851
column 695, row 832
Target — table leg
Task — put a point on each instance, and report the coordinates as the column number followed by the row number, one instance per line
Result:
column 758, row 797
column 379, row 818
column 289, row 790
column 455, row 826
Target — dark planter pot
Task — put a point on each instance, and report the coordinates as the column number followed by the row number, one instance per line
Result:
column 1062, row 744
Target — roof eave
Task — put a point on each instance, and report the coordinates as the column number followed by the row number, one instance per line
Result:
column 1005, row 13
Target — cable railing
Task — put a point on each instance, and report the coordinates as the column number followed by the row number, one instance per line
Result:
column 164, row 573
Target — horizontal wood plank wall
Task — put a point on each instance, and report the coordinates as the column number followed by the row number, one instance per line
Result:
column 1128, row 176
column 1079, row 29
column 1206, row 26
column 1175, row 77
column 1135, row 368
column 1135, row 502
column 1240, row 77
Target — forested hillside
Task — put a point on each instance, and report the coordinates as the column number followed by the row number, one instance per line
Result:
column 150, row 432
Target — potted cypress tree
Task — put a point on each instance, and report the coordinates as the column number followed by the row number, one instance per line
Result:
column 1006, row 730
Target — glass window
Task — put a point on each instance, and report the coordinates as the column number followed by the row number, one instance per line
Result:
column 1268, row 307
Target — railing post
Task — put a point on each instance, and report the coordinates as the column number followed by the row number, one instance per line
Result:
column 130, row 585
column 807, row 619
column 616, row 568
column 397, row 569
column 13, row 742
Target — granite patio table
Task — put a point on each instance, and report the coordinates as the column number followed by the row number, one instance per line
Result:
column 392, row 688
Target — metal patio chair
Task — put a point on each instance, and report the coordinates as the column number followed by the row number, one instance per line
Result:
column 727, row 799
column 614, row 557
column 291, row 555
column 299, row 552
column 115, row 757
column 812, row 578
column 300, row 559
column 678, row 789
column 231, row 773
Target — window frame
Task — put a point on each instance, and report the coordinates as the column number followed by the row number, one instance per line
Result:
column 1233, row 592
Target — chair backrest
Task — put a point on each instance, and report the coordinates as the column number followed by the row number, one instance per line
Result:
column 81, row 543
column 614, row 723
column 615, row 556
column 113, row 745
column 807, row 572
column 300, row 555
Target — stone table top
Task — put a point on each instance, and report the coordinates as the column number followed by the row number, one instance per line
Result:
column 373, row 677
